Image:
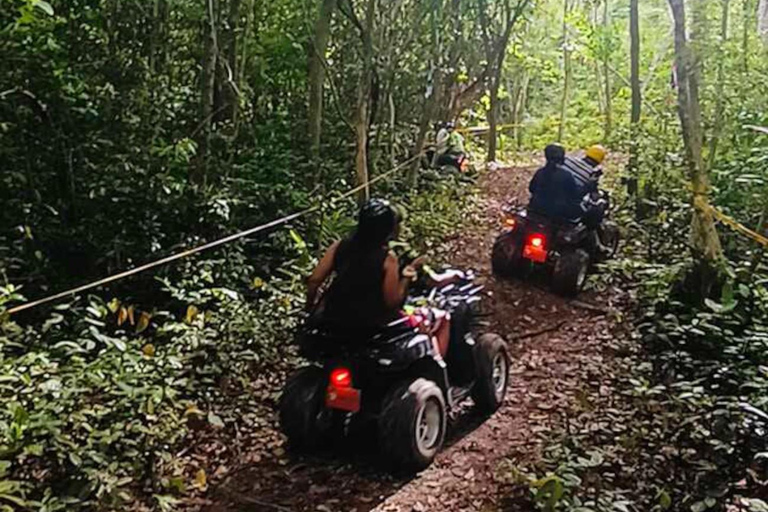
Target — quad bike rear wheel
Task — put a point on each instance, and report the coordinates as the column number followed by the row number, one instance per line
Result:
column 492, row 367
column 412, row 424
column 505, row 260
column 302, row 407
column 570, row 273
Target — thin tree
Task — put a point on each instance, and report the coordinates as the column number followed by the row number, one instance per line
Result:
column 704, row 239
column 316, row 78
column 719, row 87
column 362, row 117
column 608, row 127
column 510, row 17
column 634, row 35
column 198, row 174
column 567, row 71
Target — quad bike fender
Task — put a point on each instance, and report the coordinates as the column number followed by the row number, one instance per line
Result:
column 431, row 368
column 403, row 354
column 572, row 235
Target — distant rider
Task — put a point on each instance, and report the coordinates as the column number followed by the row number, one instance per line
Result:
column 368, row 287
column 449, row 145
column 554, row 191
column 560, row 192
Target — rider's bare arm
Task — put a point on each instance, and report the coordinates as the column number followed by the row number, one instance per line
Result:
column 396, row 285
column 320, row 274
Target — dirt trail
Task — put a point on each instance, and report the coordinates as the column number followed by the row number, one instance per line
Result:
column 550, row 371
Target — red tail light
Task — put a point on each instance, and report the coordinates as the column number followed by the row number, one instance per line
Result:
column 535, row 248
column 537, row 240
column 341, row 378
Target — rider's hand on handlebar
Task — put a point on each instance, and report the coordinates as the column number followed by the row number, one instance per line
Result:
column 418, row 263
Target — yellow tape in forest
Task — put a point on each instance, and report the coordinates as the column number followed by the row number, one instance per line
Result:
column 481, row 129
column 737, row 226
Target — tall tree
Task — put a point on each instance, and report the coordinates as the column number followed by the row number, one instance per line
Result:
column 567, row 70
column 362, row 115
column 634, row 35
column 231, row 65
column 497, row 52
column 719, row 86
column 317, row 49
column 762, row 21
column 207, row 92
column 704, row 238
column 608, row 127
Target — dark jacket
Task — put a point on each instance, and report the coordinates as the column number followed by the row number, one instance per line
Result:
column 556, row 193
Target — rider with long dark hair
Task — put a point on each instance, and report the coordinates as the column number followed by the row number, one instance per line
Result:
column 368, row 287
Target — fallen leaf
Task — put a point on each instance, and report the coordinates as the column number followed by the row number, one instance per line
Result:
column 192, row 312
column 201, row 479
column 143, row 322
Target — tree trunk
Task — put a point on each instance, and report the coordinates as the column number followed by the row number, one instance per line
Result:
column 317, row 50
column 719, row 87
column 362, row 111
column 392, row 128
column 745, row 30
column 704, row 239
column 232, row 73
column 521, row 109
column 608, row 128
column 634, row 31
column 566, row 72
column 199, row 172
column 501, row 54
column 762, row 21
column 493, row 113
column 431, row 97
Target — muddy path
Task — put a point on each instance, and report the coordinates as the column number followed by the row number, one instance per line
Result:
column 550, row 371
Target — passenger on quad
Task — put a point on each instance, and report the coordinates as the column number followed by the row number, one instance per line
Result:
column 554, row 191
column 368, row 288
column 449, row 145
column 557, row 193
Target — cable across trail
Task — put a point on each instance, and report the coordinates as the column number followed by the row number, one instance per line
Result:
column 558, row 357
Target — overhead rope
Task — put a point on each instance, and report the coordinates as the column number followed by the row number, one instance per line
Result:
column 209, row 245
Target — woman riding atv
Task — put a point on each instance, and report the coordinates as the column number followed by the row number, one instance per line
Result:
column 368, row 287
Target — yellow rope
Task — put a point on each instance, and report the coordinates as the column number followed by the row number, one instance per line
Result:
column 738, row 227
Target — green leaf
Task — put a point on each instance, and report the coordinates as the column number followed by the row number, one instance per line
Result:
column 44, row 6
column 14, row 499
column 215, row 420
column 665, row 501
column 75, row 459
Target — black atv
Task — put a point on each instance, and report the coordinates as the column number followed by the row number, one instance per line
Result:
column 449, row 163
column 395, row 380
column 565, row 248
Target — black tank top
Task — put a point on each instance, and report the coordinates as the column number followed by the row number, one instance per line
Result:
column 355, row 299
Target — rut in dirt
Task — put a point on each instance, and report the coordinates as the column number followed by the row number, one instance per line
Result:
column 557, row 352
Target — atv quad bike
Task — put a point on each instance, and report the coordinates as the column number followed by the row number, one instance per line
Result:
column 395, row 380
column 449, row 163
column 564, row 248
